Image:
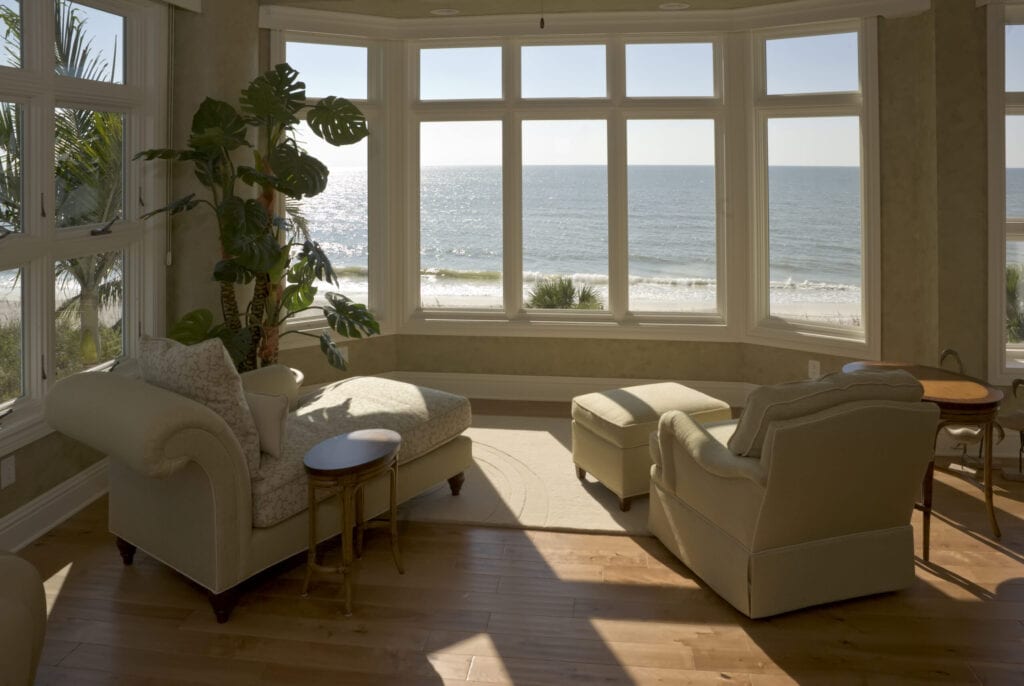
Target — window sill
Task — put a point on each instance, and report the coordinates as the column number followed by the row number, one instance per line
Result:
column 23, row 426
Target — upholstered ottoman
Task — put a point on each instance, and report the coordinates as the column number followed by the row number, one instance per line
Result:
column 611, row 429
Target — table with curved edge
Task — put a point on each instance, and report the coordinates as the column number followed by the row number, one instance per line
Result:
column 346, row 463
column 962, row 400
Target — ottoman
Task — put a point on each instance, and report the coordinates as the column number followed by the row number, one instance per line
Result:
column 611, row 430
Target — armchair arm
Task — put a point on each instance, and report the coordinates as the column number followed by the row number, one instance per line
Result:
column 140, row 424
column 275, row 379
column 680, row 437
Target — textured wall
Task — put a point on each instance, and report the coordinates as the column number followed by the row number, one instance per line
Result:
column 215, row 55
column 909, row 243
column 962, row 179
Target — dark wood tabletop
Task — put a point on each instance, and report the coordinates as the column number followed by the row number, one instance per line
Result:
column 357, row 451
column 941, row 386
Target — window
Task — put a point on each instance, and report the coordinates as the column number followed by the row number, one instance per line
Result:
column 813, row 218
column 564, row 71
column 78, row 266
column 672, row 215
column 460, row 215
column 658, row 70
column 460, row 73
column 565, row 214
column 329, row 69
column 339, row 217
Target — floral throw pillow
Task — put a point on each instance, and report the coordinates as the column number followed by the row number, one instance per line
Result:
column 205, row 373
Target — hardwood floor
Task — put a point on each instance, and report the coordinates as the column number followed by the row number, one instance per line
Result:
column 502, row 606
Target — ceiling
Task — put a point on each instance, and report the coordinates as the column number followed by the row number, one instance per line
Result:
column 411, row 9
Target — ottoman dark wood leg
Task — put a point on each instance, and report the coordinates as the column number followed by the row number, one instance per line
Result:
column 455, row 483
column 581, row 473
column 224, row 603
column 624, row 504
column 127, row 551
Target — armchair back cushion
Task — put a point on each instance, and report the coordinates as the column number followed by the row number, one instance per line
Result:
column 800, row 398
column 205, row 373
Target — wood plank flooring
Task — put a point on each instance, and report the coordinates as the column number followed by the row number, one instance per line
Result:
column 502, row 606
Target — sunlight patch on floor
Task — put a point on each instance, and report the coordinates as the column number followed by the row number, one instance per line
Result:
column 54, row 585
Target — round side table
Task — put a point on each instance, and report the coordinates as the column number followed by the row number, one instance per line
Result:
column 345, row 464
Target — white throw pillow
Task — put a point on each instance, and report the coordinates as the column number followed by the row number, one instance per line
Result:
column 205, row 373
column 800, row 398
column 270, row 413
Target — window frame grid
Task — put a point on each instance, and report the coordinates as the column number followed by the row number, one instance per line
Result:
column 140, row 99
column 760, row 324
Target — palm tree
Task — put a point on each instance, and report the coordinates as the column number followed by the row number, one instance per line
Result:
column 561, row 293
column 99, row 284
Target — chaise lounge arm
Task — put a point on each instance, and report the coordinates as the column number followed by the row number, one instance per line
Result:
column 191, row 495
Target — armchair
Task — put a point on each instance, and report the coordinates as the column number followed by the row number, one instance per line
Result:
column 822, row 515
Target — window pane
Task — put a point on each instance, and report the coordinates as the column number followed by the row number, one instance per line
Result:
column 10, row 168
column 338, row 217
column 672, row 215
column 10, row 33
column 338, row 70
column 460, row 214
column 565, row 214
column 10, row 335
column 564, row 71
column 1015, row 58
column 1014, row 292
column 812, row 64
column 460, row 73
column 814, row 219
column 90, row 311
column 89, row 166
column 89, row 42
column 1015, row 166
column 670, row 70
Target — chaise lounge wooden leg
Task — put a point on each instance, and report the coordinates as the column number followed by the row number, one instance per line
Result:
column 624, row 504
column 127, row 551
column 223, row 604
column 581, row 473
column 455, row 483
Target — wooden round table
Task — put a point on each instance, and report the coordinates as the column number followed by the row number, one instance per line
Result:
column 961, row 399
column 345, row 464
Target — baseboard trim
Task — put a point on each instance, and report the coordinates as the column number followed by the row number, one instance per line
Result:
column 29, row 522
column 554, row 388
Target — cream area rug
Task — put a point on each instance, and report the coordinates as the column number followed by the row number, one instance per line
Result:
column 524, row 477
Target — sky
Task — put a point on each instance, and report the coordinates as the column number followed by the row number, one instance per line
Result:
column 794, row 65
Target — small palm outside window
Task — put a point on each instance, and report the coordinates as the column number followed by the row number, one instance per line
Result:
column 90, row 311
column 10, row 336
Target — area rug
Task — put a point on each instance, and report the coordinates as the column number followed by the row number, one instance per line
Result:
column 524, row 477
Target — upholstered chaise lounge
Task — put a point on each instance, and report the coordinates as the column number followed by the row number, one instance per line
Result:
column 180, row 486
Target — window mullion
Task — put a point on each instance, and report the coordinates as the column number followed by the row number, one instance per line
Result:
column 618, row 218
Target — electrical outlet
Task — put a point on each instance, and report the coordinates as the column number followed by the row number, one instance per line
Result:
column 7, row 472
column 813, row 369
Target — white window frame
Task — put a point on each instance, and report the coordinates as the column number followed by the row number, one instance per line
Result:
column 377, row 177
column 142, row 99
column 732, row 32
column 862, row 104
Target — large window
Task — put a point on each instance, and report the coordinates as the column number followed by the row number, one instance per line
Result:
column 717, row 184
column 338, row 218
column 812, row 216
column 77, row 270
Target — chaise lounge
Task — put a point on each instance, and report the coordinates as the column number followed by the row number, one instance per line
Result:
column 180, row 486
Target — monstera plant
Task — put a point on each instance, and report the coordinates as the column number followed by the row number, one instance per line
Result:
column 258, row 246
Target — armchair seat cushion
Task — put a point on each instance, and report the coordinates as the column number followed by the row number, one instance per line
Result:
column 426, row 418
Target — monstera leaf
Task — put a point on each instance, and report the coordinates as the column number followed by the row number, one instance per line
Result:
column 274, row 98
column 297, row 174
column 318, row 262
column 337, row 121
column 232, row 271
column 245, row 234
column 331, row 350
column 217, row 127
column 193, row 328
column 184, row 204
column 350, row 319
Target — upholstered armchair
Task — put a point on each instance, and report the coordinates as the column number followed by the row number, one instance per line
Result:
column 22, row 620
column 820, row 512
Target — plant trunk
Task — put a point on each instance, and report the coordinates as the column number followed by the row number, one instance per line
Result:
column 89, row 318
column 229, row 306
